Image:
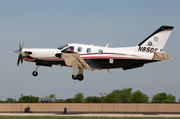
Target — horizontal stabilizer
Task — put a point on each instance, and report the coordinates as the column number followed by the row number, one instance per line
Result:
column 161, row 56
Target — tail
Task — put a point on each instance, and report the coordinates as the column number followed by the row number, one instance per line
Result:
column 156, row 41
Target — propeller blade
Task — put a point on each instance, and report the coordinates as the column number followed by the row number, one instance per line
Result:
column 19, row 58
column 20, row 46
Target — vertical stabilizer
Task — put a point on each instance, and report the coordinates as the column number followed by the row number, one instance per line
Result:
column 156, row 41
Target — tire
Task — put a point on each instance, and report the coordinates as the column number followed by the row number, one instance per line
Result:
column 35, row 73
column 80, row 77
column 74, row 77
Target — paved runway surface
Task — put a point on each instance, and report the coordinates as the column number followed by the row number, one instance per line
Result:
column 96, row 115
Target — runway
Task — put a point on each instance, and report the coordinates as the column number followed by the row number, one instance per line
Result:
column 90, row 115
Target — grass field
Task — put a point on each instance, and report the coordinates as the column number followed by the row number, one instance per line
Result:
column 56, row 117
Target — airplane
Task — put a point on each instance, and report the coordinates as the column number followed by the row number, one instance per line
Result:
column 91, row 57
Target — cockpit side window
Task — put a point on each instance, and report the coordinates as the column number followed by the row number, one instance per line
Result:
column 60, row 48
column 88, row 50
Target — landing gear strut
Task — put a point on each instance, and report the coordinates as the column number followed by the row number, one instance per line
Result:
column 35, row 73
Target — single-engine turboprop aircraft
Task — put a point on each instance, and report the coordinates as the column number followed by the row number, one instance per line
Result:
column 80, row 56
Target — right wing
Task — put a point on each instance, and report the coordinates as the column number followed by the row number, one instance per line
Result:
column 74, row 58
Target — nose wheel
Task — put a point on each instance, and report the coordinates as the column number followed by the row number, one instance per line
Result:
column 35, row 73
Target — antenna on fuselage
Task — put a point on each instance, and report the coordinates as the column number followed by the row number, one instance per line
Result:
column 107, row 45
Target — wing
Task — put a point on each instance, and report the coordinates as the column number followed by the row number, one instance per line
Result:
column 72, row 59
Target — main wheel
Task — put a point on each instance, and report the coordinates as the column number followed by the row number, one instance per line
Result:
column 80, row 77
column 35, row 73
column 74, row 77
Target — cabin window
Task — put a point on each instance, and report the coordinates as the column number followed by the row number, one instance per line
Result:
column 88, row 50
column 100, row 52
column 79, row 49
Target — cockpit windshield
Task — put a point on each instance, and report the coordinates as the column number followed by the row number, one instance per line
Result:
column 68, row 49
column 60, row 48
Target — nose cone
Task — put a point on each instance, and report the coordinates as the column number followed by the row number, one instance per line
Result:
column 18, row 52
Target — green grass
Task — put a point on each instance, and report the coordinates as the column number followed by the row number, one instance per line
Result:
column 57, row 117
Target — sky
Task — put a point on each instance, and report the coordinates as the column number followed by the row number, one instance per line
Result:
column 53, row 23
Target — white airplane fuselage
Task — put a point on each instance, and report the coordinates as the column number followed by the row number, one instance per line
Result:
column 80, row 56
column 48, row 55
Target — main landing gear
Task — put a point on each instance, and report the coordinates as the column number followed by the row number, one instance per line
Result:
column 78, row 75
column 35, row 73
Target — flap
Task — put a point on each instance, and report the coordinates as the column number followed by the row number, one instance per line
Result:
column 72, row 59
column 161, row 56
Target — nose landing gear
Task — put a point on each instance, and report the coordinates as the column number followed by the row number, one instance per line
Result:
column 35, row 73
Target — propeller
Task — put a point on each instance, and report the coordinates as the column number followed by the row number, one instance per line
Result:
column 20, row 57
